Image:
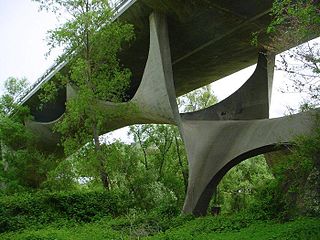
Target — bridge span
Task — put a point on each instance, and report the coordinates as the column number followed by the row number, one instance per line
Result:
column 180, row 46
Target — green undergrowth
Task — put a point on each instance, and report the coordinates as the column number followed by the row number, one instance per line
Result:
column 217, row 228
column 35, row 210
column 210, row 228
column 102, row 215
column 154, row 226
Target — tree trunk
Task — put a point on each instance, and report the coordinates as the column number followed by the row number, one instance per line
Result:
column 143, row 150
column 5, row 163
column 161, row 165
column 183, row 171
column 167, row 144
column 102, row 171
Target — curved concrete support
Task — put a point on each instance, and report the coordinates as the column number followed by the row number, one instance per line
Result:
column 251, row 101
column 213, row 145
column 71, row 92
column 48, row 139
column 156, row 96
column 51, row 110
column 155, row 99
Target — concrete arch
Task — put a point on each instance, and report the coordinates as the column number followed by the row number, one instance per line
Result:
column 212, row 145
column 204, row 200
column 49, row 111
column 250, row 101
column 48, row 139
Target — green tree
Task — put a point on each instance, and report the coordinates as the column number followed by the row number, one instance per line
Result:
column 197, row 100
column 24, row 166
column 238, row 188
column 293, row 23
column 95, row 72
column 162, row 146
column 140, row 136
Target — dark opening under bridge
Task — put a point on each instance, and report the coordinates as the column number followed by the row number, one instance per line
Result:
column 181, row 46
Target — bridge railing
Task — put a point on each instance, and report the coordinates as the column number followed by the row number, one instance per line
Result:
column 117, row 6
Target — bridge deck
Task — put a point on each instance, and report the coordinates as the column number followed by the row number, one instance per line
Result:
column 209, row 39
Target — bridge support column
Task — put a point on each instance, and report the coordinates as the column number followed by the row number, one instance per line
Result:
column 214, row 147
column 221, row 136
column 156, row 97
column 212, row 140
column 250, row 101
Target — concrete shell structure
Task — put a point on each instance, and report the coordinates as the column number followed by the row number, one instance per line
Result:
column 216, row 138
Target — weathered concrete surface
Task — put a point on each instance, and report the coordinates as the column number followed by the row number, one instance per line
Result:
column 47, row 138
column 251, row 101
column 214, row 147
column 156, row 93
column 209, row 39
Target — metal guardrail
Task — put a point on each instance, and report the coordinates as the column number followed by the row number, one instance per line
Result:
column 117, row 7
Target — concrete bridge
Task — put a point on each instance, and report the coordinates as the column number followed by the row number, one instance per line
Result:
column 181, row 46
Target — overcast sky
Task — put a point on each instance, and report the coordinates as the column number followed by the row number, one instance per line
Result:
column 22, row 53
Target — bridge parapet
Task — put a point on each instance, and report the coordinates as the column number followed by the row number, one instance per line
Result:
column 117, row 8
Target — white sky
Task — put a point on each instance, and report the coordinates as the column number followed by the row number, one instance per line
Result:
column 22, row 47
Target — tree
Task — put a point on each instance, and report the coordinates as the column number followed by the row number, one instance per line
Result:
column 197, row 100
column 162, row 146
column 23, row 164
column 294, row 22
column 239, row 186
column 140, row 136
column 95, row 71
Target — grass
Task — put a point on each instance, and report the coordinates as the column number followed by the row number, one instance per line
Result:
column 304, row 229
column 182, row 228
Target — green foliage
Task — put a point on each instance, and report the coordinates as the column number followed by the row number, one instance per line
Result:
column 32, row 211
column 92, row 42
column 24, row 166
column 79, row 232
column 163, row 162
column 294, row 22
column 293, row 174
column 293, row 192
column 108, row 215
column 48, row 93
column 13, row 88
column 196, row 100
column 269, row 202
column 299, row 18
column 209, row 228
column 238, row 188
column 183, row 228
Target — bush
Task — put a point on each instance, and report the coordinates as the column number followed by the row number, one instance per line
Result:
column 21, row 211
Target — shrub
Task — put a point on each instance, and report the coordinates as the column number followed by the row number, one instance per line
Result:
column 21, row 211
